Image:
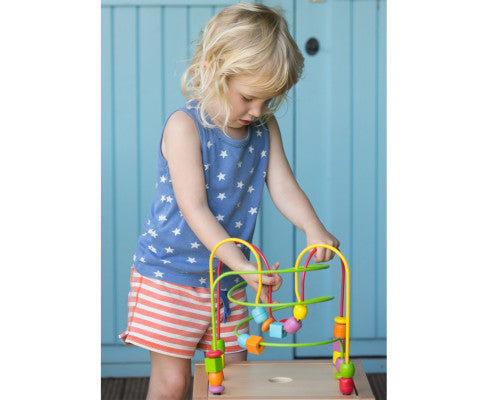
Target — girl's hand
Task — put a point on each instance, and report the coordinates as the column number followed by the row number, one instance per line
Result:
column 324, row 237
column 252, row 280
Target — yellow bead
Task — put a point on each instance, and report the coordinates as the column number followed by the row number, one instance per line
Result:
column 341, row 320
column 299, row 312
column 336, row 354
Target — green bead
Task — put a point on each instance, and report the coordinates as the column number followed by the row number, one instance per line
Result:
column 347, row 370
column 338, row 375
column 213, row 364
column 220, row 345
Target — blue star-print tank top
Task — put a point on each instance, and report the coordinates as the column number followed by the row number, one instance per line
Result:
column 235, row 172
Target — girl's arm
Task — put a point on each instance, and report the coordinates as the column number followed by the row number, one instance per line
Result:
column 290, row 200
column 181, row 149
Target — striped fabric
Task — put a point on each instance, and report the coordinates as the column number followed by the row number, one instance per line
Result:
column 176, row 320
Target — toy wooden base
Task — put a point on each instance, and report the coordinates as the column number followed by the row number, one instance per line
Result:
column 302, row 379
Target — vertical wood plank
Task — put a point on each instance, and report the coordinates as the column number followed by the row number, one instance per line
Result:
column 150, row 102
column 312, row 158
column 381, row 306
column 107, row 199
column 127, row 221
column 176, row 56
column 198, row 17
column 364, row 169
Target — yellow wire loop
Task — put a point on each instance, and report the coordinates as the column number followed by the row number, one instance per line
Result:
column 347, row 284
column 248, row 245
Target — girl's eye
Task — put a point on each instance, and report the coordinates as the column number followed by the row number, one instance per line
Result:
column 246, row 99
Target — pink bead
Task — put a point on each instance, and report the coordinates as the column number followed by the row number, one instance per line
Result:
column 338, row 363
column 292, row 325
column 336, row 345
column 216, row 389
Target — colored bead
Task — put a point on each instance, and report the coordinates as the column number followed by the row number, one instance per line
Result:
column 338, row 363
column 346, row 385
column 336, row 355
column 242, row 339
column 259, row 314
column 339, row 331
column 266, row 324
column 253, row 344
column 213, row 353
column 336, row 345
column 292, row 325
column 276, row 330
column 347, row 370
column 216, row 389
column 213, row 364
column 220, row 345
column 299, row 312
column 338, row 375
column 215, row 378
column 340, row 320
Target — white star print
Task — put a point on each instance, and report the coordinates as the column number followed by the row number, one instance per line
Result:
column 162, row 218
column 166, row 262
column 152, row 233
column 221, row 176
column 223, row 154
column 258, row 132
column 206, row 166
column 251, row 171
column 163, row 198
column 251, row 149
column 240, row 185
column 176, row 231
column 153, row 249
column 253, row 210
column 264, row 174
column 238, row 224
column 163, row 179
column 202, row 281
column 207, row 186
column 239, row 164
column 263, row 153
column 220, row 217
column 191, row 260
column 194, row 245
column 221, row 196
column 169, row 250
column 250, row 189
column 209, row 144
column 142, row 259
column 169, row 199
column 134, row 257
column 159, row 274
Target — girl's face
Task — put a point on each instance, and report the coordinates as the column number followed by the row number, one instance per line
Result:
column 246, row 102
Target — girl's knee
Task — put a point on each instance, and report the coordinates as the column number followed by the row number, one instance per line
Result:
column 170, row 386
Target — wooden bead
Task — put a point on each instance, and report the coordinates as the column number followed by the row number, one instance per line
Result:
column 242, row 339
column 253, row 344
column 213, row 353
column 292, row 325
column 299, row 312
column 339, row 331
column 336, row 345
column 213, row 364
column 346, row 385
column 336, row 355
column 266, row 324
column 216, row 389
column 276, row 330
column 215, row 378
column 259, row 314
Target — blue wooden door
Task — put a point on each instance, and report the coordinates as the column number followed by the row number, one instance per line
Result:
column 334, row 135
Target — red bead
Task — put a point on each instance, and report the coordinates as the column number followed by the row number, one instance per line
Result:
column 346, row 385
column 213, row 353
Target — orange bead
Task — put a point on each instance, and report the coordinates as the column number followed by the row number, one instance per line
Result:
column 266, row 324
column 253, row 344
column 215, row 378
column 339, row 331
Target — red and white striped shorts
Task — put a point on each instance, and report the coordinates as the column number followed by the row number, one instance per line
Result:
column 176, row 320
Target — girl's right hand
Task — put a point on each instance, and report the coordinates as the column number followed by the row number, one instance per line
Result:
column 252, row 280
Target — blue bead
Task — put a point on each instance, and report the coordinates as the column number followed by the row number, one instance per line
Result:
column 241, row 340
column 276, row 330
column 260, row 315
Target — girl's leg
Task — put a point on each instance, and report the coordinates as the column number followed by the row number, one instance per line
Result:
column 235, row 357
column 169, row 377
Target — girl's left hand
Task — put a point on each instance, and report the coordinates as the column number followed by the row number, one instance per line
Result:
column 322, row 236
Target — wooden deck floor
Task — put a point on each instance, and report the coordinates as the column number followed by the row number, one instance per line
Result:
column 136, row 388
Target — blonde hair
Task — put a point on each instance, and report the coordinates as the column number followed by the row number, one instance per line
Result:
column 244, row 40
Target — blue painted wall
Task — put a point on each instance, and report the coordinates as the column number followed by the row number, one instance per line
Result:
column 334, row 130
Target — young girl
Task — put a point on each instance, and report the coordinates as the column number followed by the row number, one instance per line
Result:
column 217, row 151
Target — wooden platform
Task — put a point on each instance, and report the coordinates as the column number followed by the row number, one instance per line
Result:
column 281, row 380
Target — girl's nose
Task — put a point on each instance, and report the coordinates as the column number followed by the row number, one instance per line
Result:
column 256, row 111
